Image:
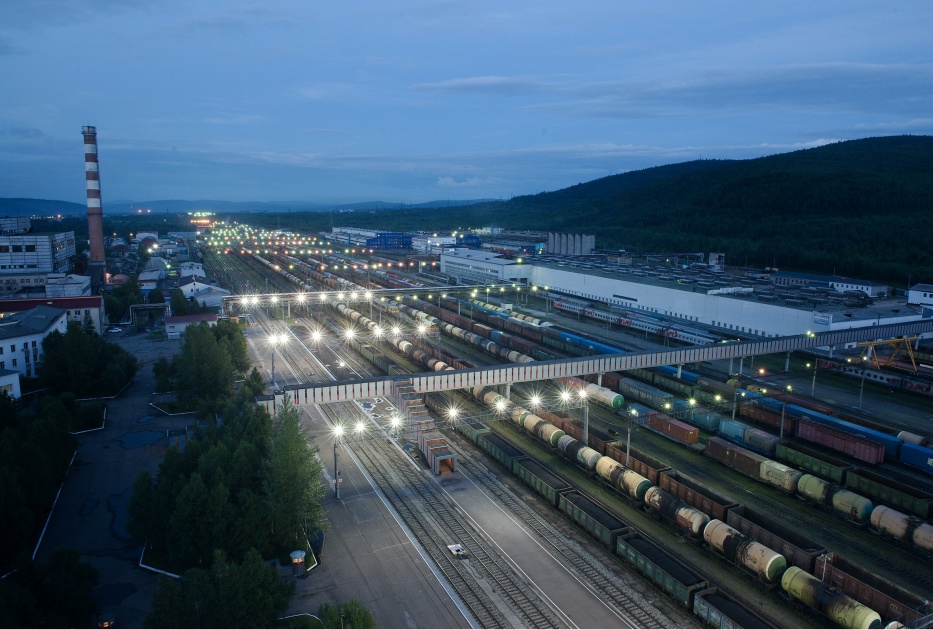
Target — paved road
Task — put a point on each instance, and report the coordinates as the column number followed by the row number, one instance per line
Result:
column 90, row 515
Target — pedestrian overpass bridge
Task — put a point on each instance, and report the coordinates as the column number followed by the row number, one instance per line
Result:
column 416, row 384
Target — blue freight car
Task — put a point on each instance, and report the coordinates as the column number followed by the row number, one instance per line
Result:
column 917, row 456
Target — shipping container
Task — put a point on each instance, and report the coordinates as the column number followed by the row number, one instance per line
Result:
column 769, row 418
column 706, row 420
column 890, row 442
column 721, row 611
column 917, row 456
column 798, row 550
column 672, row 429
column 820, row 464
column 692, row 493
column 502, row 451
column 889, row 492
column 541, row 480
column 853, row 446
column 661, row 569
column 890, row 601
column 594, row 519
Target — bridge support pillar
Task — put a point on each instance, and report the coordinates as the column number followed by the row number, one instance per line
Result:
column 508, row 391
column 680, row 367
column 741, row 361
column 730, row 366
column 786, row 365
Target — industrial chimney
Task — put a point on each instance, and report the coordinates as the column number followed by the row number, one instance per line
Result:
column 95, row 224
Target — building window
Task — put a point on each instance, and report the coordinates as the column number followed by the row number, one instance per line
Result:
column 2, row 365
column 33, row 343
column 30, row 248
column 14, row 362
column 17, row 248
column 12, row 347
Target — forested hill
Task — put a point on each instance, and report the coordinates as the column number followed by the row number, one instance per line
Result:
column 862, row 208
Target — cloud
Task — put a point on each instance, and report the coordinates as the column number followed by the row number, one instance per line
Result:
column 469, row 182
column 813, row 88
column 486, row 85
column 24, row 133
column 233, row 119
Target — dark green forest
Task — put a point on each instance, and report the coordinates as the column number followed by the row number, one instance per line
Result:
column 857, row 208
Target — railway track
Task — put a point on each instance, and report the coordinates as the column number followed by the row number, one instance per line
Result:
column 630, row 604
column 484, row 578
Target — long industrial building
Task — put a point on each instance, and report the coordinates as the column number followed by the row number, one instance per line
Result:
column 751, row 305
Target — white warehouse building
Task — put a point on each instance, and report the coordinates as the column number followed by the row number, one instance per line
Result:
column 729, row 303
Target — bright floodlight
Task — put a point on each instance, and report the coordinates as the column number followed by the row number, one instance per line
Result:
column 360, row 427
column 692, row 401
column 353, row 295
column 253, row 300
column 634, row 411
column 396, row 421
column 315, row 335
column 535, row 401
column 275, row 299
column 582, row 394
column 340, row 295
column 301, row 298
column 452, row 413
column 500, row 405
column 377, row 331
column 565, row 396
column 369, row 295
column 349, row 333
column 396, row 331
column 338, row 430
column 421, row 329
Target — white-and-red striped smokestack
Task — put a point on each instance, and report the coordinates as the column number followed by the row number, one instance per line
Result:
column 95, row 213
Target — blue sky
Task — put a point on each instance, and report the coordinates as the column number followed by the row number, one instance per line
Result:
column 409, row 101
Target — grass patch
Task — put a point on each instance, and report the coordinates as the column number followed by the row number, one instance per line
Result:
column 177, row 406
column 90, row 416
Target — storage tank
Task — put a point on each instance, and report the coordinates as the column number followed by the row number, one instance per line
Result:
column 913, row 438
column 903, row 527
column 839, row 607
column 549, row 433
column 605, row 396
column 519, row 414
column 588, row 457
column 737, row 547
column 779, row 475
column 674, row 509
column 853, row 505
column 531, row 423
column 625, row 479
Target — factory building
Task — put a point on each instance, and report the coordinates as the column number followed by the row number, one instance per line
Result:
column 728, row 302
column 371, row 239
column 470, row 266
column 432, row 243
column 921, row 294
column 175, row 326
column 26, row 259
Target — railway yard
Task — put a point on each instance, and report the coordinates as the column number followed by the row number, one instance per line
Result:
column 558, row 531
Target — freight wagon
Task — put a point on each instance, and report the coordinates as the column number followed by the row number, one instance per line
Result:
column 795, row 548
column 645, row 465
column 692, row 493
column 595, row 520
column 813, row 461
column 540, row 479
column 889, row 492
column 860, row 448
column 753, row 465
column 502, row 451
column 720, row 611
column 661, row 569
column 917, row 456
column 893, row 603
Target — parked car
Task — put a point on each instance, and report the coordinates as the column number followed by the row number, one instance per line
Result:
column 114, row 329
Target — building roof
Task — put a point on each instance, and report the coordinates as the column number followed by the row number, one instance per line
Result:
column 187, row 280
column 187, row 319
column 922, row 287
column 66, row 303
column 34, row 321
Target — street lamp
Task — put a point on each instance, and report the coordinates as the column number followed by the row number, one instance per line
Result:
column 338, row 431
column 813, row 384
column 274, row 340
column 861, row 388
column 735, row 397
column 790, row 388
